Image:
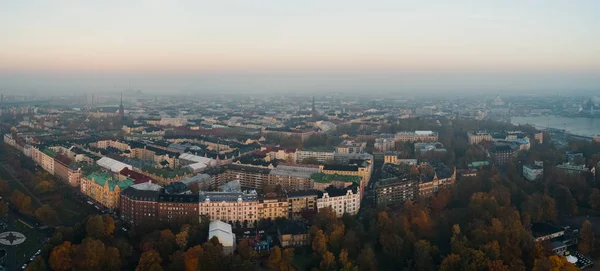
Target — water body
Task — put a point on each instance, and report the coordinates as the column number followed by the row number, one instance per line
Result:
column 578, row 126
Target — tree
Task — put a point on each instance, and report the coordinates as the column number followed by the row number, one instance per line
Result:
column 344, row 261
column 287, row 259
column 595, row 198
column 274, row 258
column 166, row 243
column 177, row 261
column 423, row 255
column 3, row 209
column 588, row 239
column 109, row 225
column 36, row 265
column 95, row 226
column 182, row 239
column 150, row 261
column 212, row 257
column 89, row 255
column 319, row 244
column 112, row 259
column 21, row 201
column 125, row 249
column 554, row 262
column 191, row 257
column 327, row 261
column 47, row 215
column 245, row 251
column 451, row 263
column 61, row 257
column 367, row 260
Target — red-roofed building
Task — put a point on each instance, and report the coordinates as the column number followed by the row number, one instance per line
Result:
column 135, row 176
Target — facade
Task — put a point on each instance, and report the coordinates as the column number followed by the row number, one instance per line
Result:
column 571, row 169
column 292, row 177
column 348, row 146
column 534, row 171
column 177, row 208
column 292, row 234
column 272, row 207
column 139, row 204
column 443, row 177
column 340, row 200
column 501, row 154
column 385, row 144
column 321, row 156
column 390, row 158
column 102, row 188
column 230, row 207
column 301, row 202
column 250, row 177
column 396, row 190
column 424, row 136
column 224, row 233
column 475, row 137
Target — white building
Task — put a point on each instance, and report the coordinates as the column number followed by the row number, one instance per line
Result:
column 196, row 163
column 341, row 200
column 534, row 171
column 112, row 164
column 321, row 156
column 223, row 232
column 425, row 136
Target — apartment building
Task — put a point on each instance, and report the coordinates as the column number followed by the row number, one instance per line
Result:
column 301, row 203
column 321, row 156
column 475, row 137
column 230, row 207
column 104, row 189
column 349, row 146
column 424, row 136
column 139, row 204
column 396, row 190
column 272, row 206
column 340, row 200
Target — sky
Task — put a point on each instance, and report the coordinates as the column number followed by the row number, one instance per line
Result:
column 313, row 46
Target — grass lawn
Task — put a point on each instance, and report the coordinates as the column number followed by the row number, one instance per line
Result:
column 71, row 211
column 14, row 185
column 33, row 241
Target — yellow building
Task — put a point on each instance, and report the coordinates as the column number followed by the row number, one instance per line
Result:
column 104, row 189
column 272, row 208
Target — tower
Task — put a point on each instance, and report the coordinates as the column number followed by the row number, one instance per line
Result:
column 121, row 108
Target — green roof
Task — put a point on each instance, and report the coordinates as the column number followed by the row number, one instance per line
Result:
column 49, row 152
column 327, row 178
column 102, row 178
column 479, row 163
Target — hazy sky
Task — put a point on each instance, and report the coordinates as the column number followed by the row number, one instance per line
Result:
column 299, row 45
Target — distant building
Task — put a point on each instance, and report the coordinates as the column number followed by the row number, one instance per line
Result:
column 534, row 171
column 571, row 169
column 425, row 147
column 425, row 136
column 501, row 154
column 321, row 156
column 443, row 177
column 139, row 204
column 272, row 206
column 476, row 137
column 348, row 146
column 224, row 233
column 556, row 236
column 385, row 144
column 292, row 234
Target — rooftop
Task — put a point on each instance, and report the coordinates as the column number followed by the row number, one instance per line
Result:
column 103, row 178
column 327, row 178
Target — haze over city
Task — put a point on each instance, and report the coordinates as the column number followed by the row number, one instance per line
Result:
column 395, row 47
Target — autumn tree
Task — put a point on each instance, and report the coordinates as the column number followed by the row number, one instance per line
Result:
column 61, row 257
column 274, row 258
column 47, row 215
column 212, row 257
column 150, row 261
column 423, row 255
column 367, row 260
column 181, row 239
column 95, row 226
column 109, row 225
column 112, row 259
column 21, row 201
column 286, row 260
column 191, row 257
column 89, row 255
column 37, row 264
column 554, row 262
column 587, row 238
column 166, row 243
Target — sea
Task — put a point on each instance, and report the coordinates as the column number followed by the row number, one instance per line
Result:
column 577, row 126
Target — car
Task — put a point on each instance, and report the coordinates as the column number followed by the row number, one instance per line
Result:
column 38, row 252
column 247, row 232
column 124, row 229
column 32, row 257
column 24, row 266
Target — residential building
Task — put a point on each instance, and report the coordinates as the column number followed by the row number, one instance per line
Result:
column 177, row 208
column 104, row 189
column 425, row 136
column 475, row 137
column 139, row 204
column 224, row 234
column 272, row 206
column 391, row 158
column 443, row 177
column 425, row 147
column 230, row 207
column 340, row 200
column 533, row 171
column 112, row 165
column 571, row 169
column 250, row 177
column 501, row 154
column 301, row 203
column 385, row 144
column 292, row 234
column 291, row 177
column 396, row 190
column 321, row 156
column 348, row 146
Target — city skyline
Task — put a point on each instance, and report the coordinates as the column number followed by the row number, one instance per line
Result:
column 313, row 46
